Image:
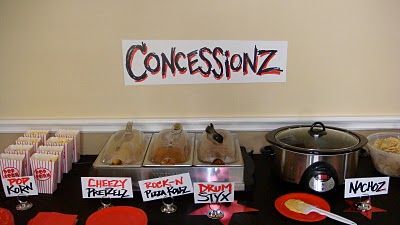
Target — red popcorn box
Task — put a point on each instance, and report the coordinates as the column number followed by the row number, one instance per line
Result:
column 55, row 150
column 68, row 152
column 26, row 150
column 45, row 171
column 42, row 134
column 12, row 165
column 75, row 135
column 36, row 142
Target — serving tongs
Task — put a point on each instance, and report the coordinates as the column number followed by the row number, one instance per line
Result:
column 213, row 135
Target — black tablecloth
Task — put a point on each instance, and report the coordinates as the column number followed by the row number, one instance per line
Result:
column 261, row 195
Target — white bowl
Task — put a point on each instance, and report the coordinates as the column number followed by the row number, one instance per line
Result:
column 387, row 163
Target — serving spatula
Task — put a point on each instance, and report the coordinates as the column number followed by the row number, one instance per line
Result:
column 299, row 206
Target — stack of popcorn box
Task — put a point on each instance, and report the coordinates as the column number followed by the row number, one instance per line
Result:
column 36, row 142
column 45, row 172
column 12, row 165
column 42, row 134
column 75, row 135
column 55, row 150
column 67, row 143
column 26, row 150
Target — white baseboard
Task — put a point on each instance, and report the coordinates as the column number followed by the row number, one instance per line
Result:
column 197, row 124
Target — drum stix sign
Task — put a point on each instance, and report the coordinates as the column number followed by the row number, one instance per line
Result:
column 154, row 62
column 213, row 192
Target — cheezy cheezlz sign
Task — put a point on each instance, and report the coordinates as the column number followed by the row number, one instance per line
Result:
column 195, row 62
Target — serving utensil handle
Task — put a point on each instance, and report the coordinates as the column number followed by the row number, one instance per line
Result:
column 333, row 216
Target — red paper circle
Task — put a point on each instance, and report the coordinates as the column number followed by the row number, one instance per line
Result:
column 119, row 215
column 307, row 198
column 6, row 217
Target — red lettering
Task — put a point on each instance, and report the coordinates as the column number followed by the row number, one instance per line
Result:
column 123, row 183
column 179, row 181
column 22, row 180
column 91, row 183
column 106, row 183
column 157, row 184
column 11, row 181
column 215, row 188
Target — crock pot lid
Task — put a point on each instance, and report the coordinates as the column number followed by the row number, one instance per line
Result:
column 330, row 140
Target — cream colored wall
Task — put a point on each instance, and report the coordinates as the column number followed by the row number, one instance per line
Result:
column 62, row 59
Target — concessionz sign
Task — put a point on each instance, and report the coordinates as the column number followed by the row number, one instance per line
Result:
column 147, row 62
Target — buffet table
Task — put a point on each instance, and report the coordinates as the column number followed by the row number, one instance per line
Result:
column 260, row 195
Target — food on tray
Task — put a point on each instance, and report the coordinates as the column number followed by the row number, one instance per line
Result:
column 168, row 156
column 216, row 147
column 125, row 153
column 170, row 146
column 389, row 144
column 294, row 205
column 124, row 147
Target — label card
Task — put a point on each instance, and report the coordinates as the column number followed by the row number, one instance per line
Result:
column 15, row 186
column 163, row 187
column 163, row 62
column 112, row 187
column 358, row 187
column 213, row 192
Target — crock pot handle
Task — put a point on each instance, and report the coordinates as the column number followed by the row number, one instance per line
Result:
column 317, row 132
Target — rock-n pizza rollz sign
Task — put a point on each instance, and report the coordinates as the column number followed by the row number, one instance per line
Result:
column 193, row 62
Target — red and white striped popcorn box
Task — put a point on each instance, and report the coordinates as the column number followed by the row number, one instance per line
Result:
column 36, row 142
column 12, row 165
column 45, row 172
column 68, row 152
column 75, row 135
column 55, row 150
column 42, row 134
column 26, row 150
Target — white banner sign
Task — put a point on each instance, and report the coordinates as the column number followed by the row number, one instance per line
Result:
column 112, row 187
column 15, row 186
column 213, row 192
column 154, row 62
column 163, row 187
column 358, row 187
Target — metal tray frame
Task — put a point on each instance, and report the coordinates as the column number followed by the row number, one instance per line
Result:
column 199, row 173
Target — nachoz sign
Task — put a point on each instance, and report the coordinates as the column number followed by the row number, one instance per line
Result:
column 150, row 62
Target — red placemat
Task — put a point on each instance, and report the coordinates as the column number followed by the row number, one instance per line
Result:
column 307, row 198
column 118, row 215
column 53, row 218
column 6, row 217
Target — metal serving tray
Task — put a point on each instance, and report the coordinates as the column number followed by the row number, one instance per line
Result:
column 189, row 162
column 238, row 154
column 199, row 172
column 99, row 164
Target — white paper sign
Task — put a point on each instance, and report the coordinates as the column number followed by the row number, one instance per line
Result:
column 15, row 186
column 358, row 187
column 112, row 187
column 163, row 187
column 213, row 192
column 151, row 62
